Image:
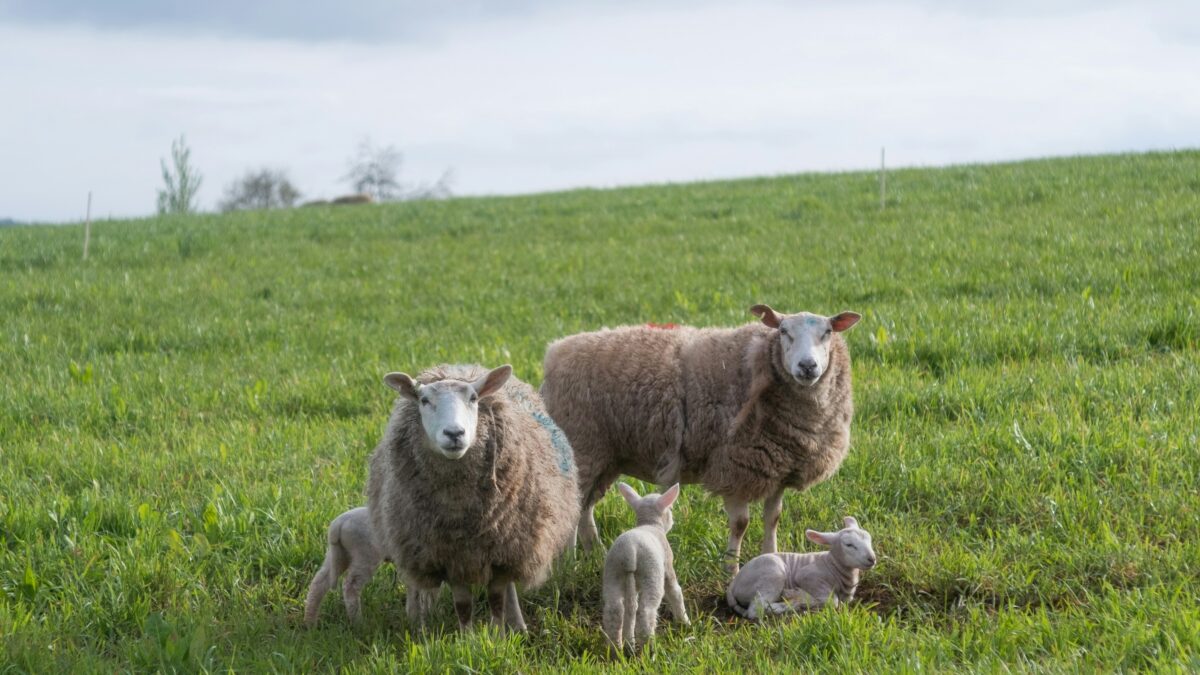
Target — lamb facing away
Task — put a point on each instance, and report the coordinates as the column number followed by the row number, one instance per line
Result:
column 472, row 484
column 746, row 412
column 777, row 583
column 639, row 568
column 352, row 550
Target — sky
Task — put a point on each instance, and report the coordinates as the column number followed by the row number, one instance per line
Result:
column 538, row 95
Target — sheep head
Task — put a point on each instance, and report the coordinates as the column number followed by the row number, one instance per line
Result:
column 449, row 408
column 850, row 546
column 805, row 339
column 653, row 509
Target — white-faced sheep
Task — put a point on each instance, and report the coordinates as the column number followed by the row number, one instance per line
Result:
column 351, row 549
column 472, row 484
column 639, row 568
column 746, row 412
column 777, row 583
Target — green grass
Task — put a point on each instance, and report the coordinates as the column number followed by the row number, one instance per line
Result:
column 182, row 415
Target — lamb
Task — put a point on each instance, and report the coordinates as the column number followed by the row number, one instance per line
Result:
column 638, row 567
column 352, row 550
column 777, row 583
column 472, row 484
column 746, row 412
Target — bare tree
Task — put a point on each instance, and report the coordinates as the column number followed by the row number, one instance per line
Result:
column 180, row 186
column 439, row 190
column 262, row 189
column 373, row 171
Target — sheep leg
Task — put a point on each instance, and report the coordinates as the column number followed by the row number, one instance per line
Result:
column 419, row 603
column 496, row 596
column 772, row 508
column 675, row 598
column 588, row 536
column 650, row 596
column 739, row 517
column 335, row 563
column 592, row 490
column 463, row 603
column 359, row 574
column 512, row 609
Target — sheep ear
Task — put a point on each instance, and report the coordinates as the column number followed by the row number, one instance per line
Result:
column 668, row 497
column 822, row 538
column 849, row 521
column 769, row 316
column 403, row 384
column 629, row 494
column 844, row 321
column 491, row 383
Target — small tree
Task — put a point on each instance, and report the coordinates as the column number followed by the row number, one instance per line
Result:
column 262, row 189
column 373, row 171
column 179, row 187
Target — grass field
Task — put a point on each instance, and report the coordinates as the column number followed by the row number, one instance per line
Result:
column 182, row 415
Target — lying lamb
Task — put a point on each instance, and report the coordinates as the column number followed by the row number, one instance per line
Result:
column 472, row 484
column 777, row 583
column 746, row 412
column 352, row 550
column 639, row 567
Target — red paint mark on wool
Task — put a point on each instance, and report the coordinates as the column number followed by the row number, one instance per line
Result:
column 662, row 326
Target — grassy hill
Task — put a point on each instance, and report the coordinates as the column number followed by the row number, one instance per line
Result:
column 183, row 414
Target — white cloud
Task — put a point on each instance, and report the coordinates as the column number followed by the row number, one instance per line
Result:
column 566, row 98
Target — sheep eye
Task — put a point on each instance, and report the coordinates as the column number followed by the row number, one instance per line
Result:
column 424, row 401
column 849, row 545
column 474, row 397
column 828, row 332
column 784, row 333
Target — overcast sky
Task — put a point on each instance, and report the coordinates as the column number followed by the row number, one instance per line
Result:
column 537, row 95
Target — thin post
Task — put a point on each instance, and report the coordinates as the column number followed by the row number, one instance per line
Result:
column 882, row 180
column 87, row 227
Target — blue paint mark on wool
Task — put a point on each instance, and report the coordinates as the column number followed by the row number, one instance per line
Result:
column 566, row 456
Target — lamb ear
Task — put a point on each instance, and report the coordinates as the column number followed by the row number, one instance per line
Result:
column 403, row 384
column 668, row 497
column 491, row 383
column 769, row 316
column 629, row 494
column 849, row 521
column 822, row 538
column 844, row 321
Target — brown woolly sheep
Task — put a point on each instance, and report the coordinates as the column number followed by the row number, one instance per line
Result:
column 472, row 484
column 746, row 412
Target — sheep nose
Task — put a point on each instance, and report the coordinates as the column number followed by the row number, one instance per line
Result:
column 806, row 368
column 454, row 434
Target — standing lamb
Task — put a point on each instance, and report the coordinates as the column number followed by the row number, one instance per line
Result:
column 472, row 484
column 352, row 550
column 639, row 568
column 746, row 412
column 777, row 583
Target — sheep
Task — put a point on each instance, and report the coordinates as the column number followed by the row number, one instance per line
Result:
column 638, row 567
column 746, row 412
column 777, row 583
column 472, row 484
column 352, row 550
